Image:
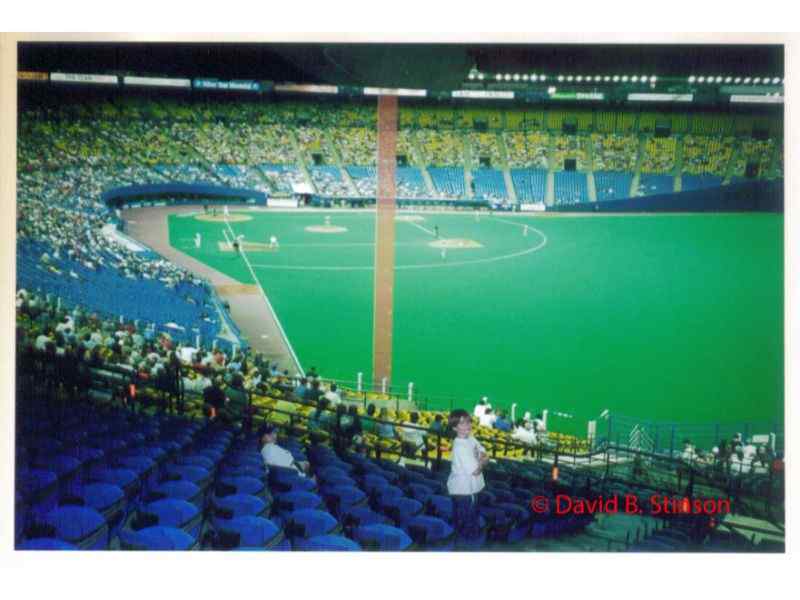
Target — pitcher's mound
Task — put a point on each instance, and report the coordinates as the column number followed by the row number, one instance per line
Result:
column 219, row 218
column 325, row 229
column 455, row 243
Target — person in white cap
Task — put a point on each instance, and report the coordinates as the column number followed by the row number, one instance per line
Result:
column 273, row 242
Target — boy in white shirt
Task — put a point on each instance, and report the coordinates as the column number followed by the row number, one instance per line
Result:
column 466, row 476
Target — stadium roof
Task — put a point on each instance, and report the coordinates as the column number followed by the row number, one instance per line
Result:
column 442, row 66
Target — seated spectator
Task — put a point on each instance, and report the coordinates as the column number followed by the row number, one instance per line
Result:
column 437, row 426
column 300, row 390
column 481, row 407
column 321, row 418
column 501, row 422
column 488, row 418
column 385, row 430
column 332, row 395
column 274, row 455
column 413, row 439
column 369, row 425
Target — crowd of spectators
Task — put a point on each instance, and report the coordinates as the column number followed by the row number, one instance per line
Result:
column 659, row 155
column 613, row 152
column 527, row 149
column 706, row 155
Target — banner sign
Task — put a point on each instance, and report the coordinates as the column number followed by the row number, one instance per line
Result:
column 377, row 91
column 577, row 96
column 282, row 203
column 237, row 86
column 646, row 97
column 157, row 81
column 307, row 89
column 495, row 94
column 31, row 76
column 84, row 78
column 750, row 99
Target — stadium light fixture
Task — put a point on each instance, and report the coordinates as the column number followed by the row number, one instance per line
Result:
column 606, row 79
column 597, row 78
column 719, row 79
column 508, row 77
column 569, row 77
column 525, row 77
column 776, row 80
column 560, row 78
column 616, row 78
column 579, row 78
column 624, row 79
column 727, row 80
column 480, row 76
column 551, row 90
column 643, row 78
column 737, row 80
column 634, row 79
column 542, row 77
column 757, row 80
column 653, row 78
column 691, row 79
column 701, row 79
column 516, row 76
column 746, row 80
column 498, row 77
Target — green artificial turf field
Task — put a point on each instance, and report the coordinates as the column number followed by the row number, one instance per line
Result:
column 664, row 317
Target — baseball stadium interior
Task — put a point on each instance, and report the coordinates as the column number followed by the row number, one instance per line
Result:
column 326, row 249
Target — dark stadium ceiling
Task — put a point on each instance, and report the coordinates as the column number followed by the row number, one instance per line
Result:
column 431, row 66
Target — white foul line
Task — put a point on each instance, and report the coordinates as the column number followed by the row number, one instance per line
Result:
column 428, row 231
column 266, row 300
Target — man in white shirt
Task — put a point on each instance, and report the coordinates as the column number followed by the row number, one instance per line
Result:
column 488, row 418
column 276, row 456
column 333, row 395
column 481, row 407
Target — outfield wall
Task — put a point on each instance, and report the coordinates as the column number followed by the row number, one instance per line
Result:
column 748, row 196
column 121, row 196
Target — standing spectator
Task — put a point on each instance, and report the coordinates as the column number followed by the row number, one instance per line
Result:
column 466, row 476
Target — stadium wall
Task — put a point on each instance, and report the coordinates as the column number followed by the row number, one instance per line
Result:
column 118, row 197
column 749, row 196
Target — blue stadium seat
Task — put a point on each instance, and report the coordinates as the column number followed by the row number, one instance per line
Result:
column 250, row 532
column 290, row 501
column 431, row 533
column 180, row 490
column 107, row 499
column 326, row 543
column 237, row 505
column 175, row 513
column 400, row 509
column 382, row 537
column 341, row 497
column 307, row 522
column 46, row 544
column 157, row 538
column 242, row 484
column 79, row 525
